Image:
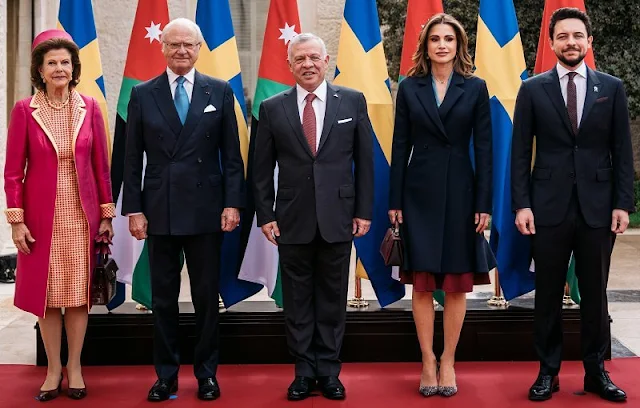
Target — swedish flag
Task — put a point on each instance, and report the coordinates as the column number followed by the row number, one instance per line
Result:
column 500, row 62
column 361, row 65
column 76, row 18
column 219, row 58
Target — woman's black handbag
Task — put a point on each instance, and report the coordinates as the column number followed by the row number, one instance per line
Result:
column 103, row 282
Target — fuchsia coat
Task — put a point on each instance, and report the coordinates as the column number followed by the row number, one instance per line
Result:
column 30, row 182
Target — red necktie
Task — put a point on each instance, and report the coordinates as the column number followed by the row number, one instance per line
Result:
column 572, row 102
column 309, row 122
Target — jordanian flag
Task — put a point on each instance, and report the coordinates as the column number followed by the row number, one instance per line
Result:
column 418, row 13
column 144, row 61
column 260, row 264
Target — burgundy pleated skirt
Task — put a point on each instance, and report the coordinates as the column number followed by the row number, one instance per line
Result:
column 447, row 282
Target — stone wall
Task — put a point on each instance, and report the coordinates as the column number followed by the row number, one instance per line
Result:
column 635, row 140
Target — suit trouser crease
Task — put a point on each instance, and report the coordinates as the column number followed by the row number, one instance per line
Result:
column 552, row 247
column 315, row 279
column 202, row 255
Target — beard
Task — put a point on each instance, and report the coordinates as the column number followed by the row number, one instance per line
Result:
column 571, row 62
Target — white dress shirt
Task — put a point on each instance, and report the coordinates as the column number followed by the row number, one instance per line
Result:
column 188, row 83
column 581, row 85
column 319, row 105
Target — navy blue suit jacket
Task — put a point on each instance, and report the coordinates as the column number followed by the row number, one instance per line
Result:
column 598, row 160
column 192, row 171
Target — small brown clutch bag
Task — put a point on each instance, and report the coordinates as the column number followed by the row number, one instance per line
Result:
column 103, row 282
column 391, row 248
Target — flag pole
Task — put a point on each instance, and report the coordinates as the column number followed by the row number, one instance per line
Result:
column 357, row 301
column 566, row 299
column 497, row 300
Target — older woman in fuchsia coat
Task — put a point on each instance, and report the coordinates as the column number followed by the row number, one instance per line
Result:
column 59, row 200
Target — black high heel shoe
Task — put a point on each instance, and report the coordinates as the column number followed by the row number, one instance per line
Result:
column 77, row 393
column 48, row 395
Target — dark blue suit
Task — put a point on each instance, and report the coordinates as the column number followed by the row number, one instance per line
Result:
column 438, row 190
column 576, row 183
column 192, row 173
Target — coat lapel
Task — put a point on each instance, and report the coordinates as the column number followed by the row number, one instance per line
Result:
column 36, row 102
column 162, row 95
column 290, row 104
column 454, row 92
column 332, row 105
column 428, row 101
column 594, row 88
column 199, row 98
column 552, row 87
column 78, row 113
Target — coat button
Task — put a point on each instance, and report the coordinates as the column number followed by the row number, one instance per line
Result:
column 575, row 148
column 199, row 160
column 207, row 135
column 199, row 184
column 426, row 146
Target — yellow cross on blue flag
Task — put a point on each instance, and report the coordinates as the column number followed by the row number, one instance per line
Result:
column 500, row 62
column 361, row 65
column 219, row 58
column 76, row 18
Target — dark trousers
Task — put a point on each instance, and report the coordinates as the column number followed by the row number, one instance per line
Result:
column 552, row 247
column 202, row 254
column 315, row 280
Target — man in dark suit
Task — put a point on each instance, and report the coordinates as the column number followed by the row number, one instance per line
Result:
column 580, row 192
column 193, row 187
column 321, row 138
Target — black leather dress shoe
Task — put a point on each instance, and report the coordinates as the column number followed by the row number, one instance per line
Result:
column 602, row 385
column 301, row 388
column 208, row 389
column 48, row 395
column 544, row 386
column 332, row 388
column 162, row 390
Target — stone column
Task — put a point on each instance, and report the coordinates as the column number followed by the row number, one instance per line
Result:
column 329, row 22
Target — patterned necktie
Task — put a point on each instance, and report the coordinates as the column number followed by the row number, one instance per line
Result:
column 572, row 102
column 309, row 122
column 181, row 100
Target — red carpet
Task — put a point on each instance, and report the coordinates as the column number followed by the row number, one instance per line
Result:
column 490, row 385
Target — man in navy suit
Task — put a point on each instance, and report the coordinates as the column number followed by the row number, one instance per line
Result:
column 321, row 138
column 193, row 187
column 576, row 199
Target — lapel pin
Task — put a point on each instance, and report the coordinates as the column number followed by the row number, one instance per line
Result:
column 595, row 89
column 335, row 95
column 207, row 92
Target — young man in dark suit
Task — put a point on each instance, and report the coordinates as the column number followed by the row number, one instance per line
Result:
column 320, row 137
column 576, row 199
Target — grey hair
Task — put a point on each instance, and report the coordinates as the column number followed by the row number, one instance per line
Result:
column 303, row 38
column 185, row 23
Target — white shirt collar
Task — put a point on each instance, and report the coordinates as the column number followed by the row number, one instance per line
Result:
column 320, row 92
column 581, row 70
column 190, row 76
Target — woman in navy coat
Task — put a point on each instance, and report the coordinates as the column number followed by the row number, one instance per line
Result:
column 440, row 200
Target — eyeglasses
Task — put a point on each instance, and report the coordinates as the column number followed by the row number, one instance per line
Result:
column 177, row 46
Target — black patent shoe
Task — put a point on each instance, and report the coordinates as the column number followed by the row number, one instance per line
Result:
column 162, row 390
column 544, row 387
column 208, row 389
column 77, row 393
column 48, row 395
column 602, row 385
column 332, row 388
column 301, row 388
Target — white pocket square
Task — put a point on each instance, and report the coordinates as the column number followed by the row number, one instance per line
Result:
column 209, row 108
column 344, row 120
